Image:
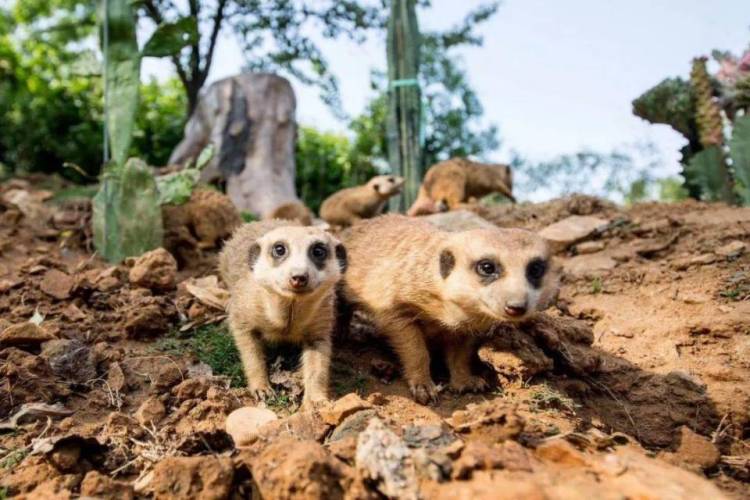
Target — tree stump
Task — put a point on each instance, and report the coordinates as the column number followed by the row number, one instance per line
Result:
column 250, row 120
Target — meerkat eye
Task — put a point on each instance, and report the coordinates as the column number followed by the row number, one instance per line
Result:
column 486, row 268
column 535, row 271
column 318, row 252
column 391, row 179
column 278, row 250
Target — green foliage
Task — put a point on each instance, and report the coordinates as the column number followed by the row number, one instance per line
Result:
column 739, row 147
column 327, row 162
column 126, row 212
column 160, row 121
column 122, row 75
column 170, row 38
column 672, row 189
column 671, row 102
column 177, row 187
column 708, row 171
column 12, row 459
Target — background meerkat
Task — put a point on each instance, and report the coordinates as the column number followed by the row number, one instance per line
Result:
column 294, row 211
column 282, row 278
column 347, row 206
column 451, row 182
column 422, row 285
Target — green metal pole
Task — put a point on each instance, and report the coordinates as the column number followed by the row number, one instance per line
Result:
column 404, row 100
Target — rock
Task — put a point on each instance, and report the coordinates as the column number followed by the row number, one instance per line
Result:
column 150, row 412
column 207, row 478
column 695, row 451
column 561, row 452
column 71, row 360
column 57, row 284
column 191, row 388
column 458, row 220
column 249, row 118
column 213, row 217
column 428, row 436
column 242, row 424
column 501, row 420
column 98, row 485
column 588, row 266
column 167, row 376
column 303, row 426
column 115, row 377
column 24, row 334
column 588, row 247
column 156, row 270
column 654, row 226
column 683, row 263
column 384, row 459
column 336, row 412
column 480, row 456
column 571, row 230
column 514, row 354
column 352, row 426
column 145, row 321
column 732, row 250
column 121, row 426
column 289, row 470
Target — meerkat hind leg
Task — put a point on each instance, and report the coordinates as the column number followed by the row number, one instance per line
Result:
column 316, row 363
column 458, row 358
column 409, row 343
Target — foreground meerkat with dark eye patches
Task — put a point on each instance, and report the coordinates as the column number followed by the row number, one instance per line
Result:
column 282, row 279
column 421, row 285
column 349, row 205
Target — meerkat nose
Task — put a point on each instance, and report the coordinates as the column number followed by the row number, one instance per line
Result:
column 515, row 309
column 298, row 281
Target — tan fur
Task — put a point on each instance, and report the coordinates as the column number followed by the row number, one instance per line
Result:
column 297, row 212
column 394, row 273
column 263, row 308
column 347, row 206
column 451, row 182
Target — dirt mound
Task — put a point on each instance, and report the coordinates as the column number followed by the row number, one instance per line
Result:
column 635, row 385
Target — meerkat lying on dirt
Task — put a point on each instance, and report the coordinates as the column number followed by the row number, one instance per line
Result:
column 282, row 278
column 293, row 211
column 421, row 285
column 451, row 182
column 347, row 206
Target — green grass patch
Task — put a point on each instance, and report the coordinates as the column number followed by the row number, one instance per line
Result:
column 248, row 217
column 76, row 191
column 12, row 459
column 3, row 492
column 544, row 397
column 597, row 286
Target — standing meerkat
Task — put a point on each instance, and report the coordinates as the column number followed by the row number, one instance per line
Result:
column 281, row 279
column 349, row 205
column 421, row 286
column 451, row 182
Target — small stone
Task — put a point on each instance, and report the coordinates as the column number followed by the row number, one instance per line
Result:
column 337, row 411
column 150, row 412
column 589, row 266
column 683, row 263
column 480, row 456
column 208, row 478
column 115, row 377
column 97, row 485
column 589, row 247
column 653, row 226
column 560, row 452
column 57, row 284
column 73, row 313
column 242, row 424
column 352, row 426
column 167, row 376
column 384, row 459
column 696, row 450
column 732, row 250
column 156, row 270
column 571, row 230
column 24, row 334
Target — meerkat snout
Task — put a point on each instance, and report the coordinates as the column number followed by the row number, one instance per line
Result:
column 296, row 260
column 501, row 274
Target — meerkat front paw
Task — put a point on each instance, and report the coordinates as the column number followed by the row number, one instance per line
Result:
column 424, row 393
column 261, row 390
column 471, row 383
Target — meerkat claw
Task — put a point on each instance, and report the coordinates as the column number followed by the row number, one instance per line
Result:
column 263, row 393
column 469, row 384
column 424, row 394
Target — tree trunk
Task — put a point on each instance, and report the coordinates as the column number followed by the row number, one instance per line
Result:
column 250, row 120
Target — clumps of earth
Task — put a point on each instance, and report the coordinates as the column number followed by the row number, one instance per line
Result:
column 122, row 382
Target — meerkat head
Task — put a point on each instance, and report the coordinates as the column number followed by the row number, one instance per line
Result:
column 296, row 260
column 502, row 274
column 386, row 185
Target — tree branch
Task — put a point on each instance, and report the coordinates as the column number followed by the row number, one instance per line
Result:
column 153, row 12
column 218, row 19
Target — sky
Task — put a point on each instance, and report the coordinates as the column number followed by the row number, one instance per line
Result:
column 555, row 76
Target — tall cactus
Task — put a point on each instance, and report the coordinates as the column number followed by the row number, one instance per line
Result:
column 708, row 114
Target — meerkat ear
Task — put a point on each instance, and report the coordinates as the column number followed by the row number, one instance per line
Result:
column 375, row 187
column 253, row 254
column 340, row 252
column 447, row 263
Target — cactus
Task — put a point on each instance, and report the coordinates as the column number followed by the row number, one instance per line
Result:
column 708, row 114
column 708, row 170
column 670, row 102
column 740, row 154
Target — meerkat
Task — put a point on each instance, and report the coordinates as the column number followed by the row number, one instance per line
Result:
column 294, row 211
column 350, row 205
column 452, row 182
column 282, row 278
column 422, row 286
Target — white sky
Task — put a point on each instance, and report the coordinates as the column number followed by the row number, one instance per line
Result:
column 555, row 76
